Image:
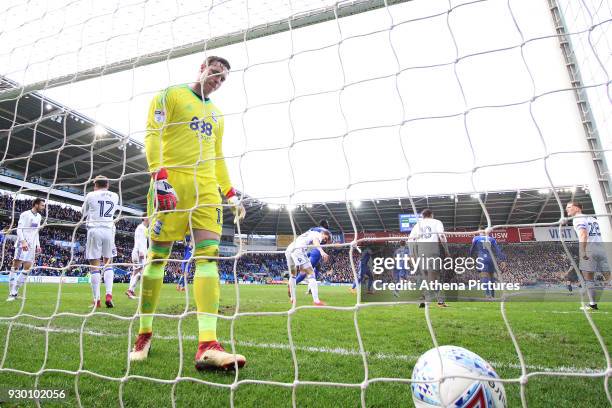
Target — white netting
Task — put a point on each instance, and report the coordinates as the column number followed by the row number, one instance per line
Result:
column 397, row 100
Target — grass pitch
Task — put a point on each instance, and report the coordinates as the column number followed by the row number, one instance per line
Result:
column 552, row 336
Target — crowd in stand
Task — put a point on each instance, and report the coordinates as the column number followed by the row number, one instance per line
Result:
column 56, row 254
column 527, row 263
column 55, row 213
column 542, row 262
column 64, row 245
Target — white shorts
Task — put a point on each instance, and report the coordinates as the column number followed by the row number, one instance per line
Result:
column 429, row 253
column 136, row 259
column 297, row 258
column 25, row 256
column 597, row 262
column 100, row 243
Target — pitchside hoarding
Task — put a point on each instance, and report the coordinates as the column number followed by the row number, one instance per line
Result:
column 554, row 234
column 51, row 279
column 511, row 235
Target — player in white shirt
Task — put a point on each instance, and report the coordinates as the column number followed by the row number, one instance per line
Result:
column 139, row 253
column 590, row 249
column 427, row 236
column 298, row 260
column 99, row 209
column 27, row 246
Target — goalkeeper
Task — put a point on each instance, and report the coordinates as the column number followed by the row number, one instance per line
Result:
column 184, row 152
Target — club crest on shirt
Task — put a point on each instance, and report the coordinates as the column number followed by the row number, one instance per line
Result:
column 160, row 116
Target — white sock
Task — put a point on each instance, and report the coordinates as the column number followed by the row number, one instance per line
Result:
column 23, row 275
column 12, row 281
column 590, row 286
column 313, row 285
column 95, row 285
column 292, row 286
column 109, row 275
column 134, row 281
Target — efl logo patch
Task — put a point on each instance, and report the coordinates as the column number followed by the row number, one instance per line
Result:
column 157, row 228
column 160, row 116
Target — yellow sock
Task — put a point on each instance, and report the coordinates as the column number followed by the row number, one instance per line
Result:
column 206, row 289
column 152, row 279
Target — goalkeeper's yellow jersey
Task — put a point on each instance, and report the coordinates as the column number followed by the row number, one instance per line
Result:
column 183, row 130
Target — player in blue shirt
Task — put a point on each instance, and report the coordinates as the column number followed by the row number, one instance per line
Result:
column 401, row 270
column 363, row 269
column 485, row 248
column 185, row 266
column 572, row 279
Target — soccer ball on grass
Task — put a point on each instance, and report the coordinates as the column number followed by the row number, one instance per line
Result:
column 452, row 391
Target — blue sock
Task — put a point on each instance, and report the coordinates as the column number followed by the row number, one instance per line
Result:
column 301, row 276
column 492, row 290
column 485, row 281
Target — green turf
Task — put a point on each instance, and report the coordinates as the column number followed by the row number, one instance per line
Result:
column 552, row 336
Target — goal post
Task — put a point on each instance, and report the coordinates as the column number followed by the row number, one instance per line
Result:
column 600, row 174
column 337, row 10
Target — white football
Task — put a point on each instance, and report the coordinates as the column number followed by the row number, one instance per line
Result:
column 455, row 392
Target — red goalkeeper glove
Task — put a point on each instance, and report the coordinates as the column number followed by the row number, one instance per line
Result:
column 237, row 207
column 164, row 193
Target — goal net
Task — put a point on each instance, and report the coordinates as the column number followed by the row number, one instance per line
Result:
column 495, row 114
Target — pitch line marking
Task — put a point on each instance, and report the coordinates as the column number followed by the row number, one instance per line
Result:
column 310, row 349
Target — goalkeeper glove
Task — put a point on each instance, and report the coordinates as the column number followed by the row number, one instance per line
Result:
column 237, row 208
column 164, row 193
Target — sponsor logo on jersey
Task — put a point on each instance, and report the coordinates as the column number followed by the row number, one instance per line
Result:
column 204, row 129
